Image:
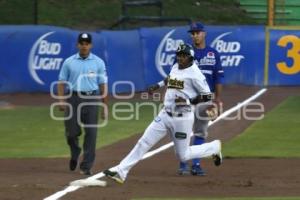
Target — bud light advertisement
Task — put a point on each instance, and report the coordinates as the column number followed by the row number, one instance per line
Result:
column 46, row 56
column 138, row 58
column 242, row 57
column 34, row 56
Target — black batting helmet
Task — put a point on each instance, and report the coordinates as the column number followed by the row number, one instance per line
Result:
column 185, row 49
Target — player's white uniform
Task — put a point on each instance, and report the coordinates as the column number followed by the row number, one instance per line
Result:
column 176, row 120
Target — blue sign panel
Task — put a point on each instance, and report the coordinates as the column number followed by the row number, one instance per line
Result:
column 284, row 57
column 242, row 52
column 33, row 56
column 159, row 46
column 124, row 60
column 138, row 58
column 242, row 56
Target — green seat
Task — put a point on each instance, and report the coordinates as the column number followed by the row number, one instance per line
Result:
column 287, row 12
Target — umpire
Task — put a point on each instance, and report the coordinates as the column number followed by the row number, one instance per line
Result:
column 85, row 75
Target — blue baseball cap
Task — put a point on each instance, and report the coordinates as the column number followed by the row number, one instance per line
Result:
column 196, row 26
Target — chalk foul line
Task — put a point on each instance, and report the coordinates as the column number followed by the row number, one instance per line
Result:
column 99, row 175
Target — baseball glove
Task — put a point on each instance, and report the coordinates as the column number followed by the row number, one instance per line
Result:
column 152, row 88
column 212, row 112
column 219, row 105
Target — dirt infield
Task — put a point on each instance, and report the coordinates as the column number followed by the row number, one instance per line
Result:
column 156, row 177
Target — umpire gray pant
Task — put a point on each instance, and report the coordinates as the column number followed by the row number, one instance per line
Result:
column 88, row 116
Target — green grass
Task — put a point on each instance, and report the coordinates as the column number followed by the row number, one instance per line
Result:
column 30, row 132
column 277, row 135
column 233, row 198
column 101, row 14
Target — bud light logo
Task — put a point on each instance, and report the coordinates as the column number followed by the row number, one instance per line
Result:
column 165, row 53
column 229, row 50
column 44, row 56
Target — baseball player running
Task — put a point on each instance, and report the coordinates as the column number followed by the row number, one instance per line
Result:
column 208, row 61
column 185, row 85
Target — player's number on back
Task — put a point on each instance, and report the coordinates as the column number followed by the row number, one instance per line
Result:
column 293, row 53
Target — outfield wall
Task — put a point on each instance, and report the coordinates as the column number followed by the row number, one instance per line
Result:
column 31, row 56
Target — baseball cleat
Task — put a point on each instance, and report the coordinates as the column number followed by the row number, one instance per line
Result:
column 113, row 175
column 184, row 169
column 197, row 171
column 217, row 158
column 72, row 165
column 85, row 172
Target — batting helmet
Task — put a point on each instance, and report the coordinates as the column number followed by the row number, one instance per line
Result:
column 185, row 49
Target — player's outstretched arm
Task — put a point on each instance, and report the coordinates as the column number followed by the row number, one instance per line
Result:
column 156, row 86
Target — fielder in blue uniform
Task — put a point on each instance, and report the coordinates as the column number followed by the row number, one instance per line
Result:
column 208, row 61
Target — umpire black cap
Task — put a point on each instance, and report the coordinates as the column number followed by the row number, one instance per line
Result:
column 84, row 37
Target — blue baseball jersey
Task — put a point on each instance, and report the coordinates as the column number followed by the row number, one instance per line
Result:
column 208, row 61
column 83, row 74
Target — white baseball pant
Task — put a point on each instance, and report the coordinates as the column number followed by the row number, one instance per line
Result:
column 180, row 129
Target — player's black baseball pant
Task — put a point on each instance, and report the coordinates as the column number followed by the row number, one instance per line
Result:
column 86, row 115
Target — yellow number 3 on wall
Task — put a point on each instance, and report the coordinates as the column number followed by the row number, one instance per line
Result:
column 293, row 53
